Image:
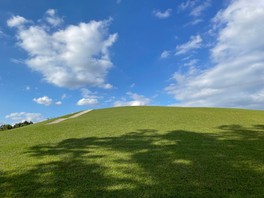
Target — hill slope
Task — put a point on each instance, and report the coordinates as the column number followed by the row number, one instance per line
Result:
column 137, row 152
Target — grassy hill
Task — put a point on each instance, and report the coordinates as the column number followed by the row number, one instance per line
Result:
column 137, row 152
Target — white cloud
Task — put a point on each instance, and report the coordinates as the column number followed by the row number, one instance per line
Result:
column 107, row 86
column 51, row 12
column 196, row 7
column 196, row 21
column 89, row 98
column 73, row 57
column 45, row 100
column 88, row 101
column 85, row 92
column 162, row 15
column 110, row 99
column 237, row 78
column 191, row 63
column 17, row 61
column 132, row 85
column 198, row 10
column 63, row 96
column 24, row 116
column 165, row 54
column 194, row 43
column 136, row 100
column 58, row 103
column 187, row 4
column 52, row 18
column 16, row 21
column 2, row 34
column 28, row 88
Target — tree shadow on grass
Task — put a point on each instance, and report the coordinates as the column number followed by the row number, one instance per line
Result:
column 146, row 163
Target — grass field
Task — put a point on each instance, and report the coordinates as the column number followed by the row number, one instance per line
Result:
column 137, row 152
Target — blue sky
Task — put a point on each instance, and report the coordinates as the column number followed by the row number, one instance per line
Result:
column 59, row 57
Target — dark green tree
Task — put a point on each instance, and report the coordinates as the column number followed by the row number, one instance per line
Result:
column 5, row 127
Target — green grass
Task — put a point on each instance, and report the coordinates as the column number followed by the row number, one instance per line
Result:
column 137, row 152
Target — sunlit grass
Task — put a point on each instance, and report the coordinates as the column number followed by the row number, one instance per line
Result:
column 137, row 152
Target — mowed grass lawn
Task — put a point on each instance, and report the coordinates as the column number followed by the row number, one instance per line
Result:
column 137, row 152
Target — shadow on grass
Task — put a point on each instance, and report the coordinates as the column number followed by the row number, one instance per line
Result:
column 147, row 163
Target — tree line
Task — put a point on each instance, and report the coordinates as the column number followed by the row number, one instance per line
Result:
column 17, row 125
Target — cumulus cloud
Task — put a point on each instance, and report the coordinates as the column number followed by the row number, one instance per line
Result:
column 162, row 15
column 237, row 77
column 45, row 100
column 24, row 116
column 52, row 18
column 135, row 100
column 195, row 42
column 87, row 101
column 73, row 57
column 89, row 98
column 16, row 21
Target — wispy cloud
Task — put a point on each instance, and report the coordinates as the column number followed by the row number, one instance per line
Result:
column 162, row 15
column 188, row 4
column 237, row 77
column 24, row 116
column 165, row 54
column 28, row 88
column 2, row 34
column 196, row 9
column 132, row 85
column 135, row 100
column 195, row 42
column 63, row 96
column 191, row 63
